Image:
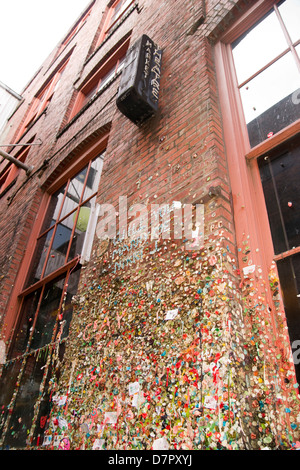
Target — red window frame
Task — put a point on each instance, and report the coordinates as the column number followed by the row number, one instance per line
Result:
column 74, row 31
column 92, row 85
column 42, row 100
column 242, row 159
column 112, row 17
column 20, row 288
column 44, row 316
column 76, row 27
column 11, row 171
column 36, row 315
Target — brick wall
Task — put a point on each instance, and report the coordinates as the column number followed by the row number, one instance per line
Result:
column 208, row 351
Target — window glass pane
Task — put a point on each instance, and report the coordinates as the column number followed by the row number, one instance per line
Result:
column 43, row 415
column 40, row 255
column 8, row 382
column 60, row 244
column 258, row 46
column 71, row 290
column 106, row 79
column 93, row 180
column 54, row 208
column 47, row 315
column 268, row 99
column 80, row 230
column 290, row 13
column 289, row 276
column 26, row 321
column 280, row 180
column 45, row 404
column 89, row 95
column 74, row 192
column 21, row 420
column 121, row 64
column 119, row 9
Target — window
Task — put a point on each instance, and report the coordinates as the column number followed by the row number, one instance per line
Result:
column 115, row 13
column 258, row 71
column 106, row 72
column 267, row 64
column 280, row 173
column 74, row 31
column 42, row 99
column 77, row 27
column 45, row 304
column 10, row 172
column 65, row 226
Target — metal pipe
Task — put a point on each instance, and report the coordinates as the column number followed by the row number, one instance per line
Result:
column 22, row 145
column 17, row 162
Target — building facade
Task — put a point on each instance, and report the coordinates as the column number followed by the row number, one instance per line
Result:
column 149, row 295
column 8, row 102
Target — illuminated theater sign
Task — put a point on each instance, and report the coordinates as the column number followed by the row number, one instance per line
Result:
column 139, row 87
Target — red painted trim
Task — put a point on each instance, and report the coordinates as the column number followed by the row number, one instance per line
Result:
column 91, row 152
column 286, row 254
column 12, row 312
column 245, row 22
column 250, row 213
column 274, row 141
column 12, row 170
column 107, row 22
column 19, row 290
column 94, row 80
column 41, row 99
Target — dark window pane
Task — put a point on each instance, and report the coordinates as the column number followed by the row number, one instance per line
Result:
column 26, row 321
column 280, row 177
column 289, row 275
column 8, row 382
column 47, row 315
column 93, row 179
column 268, row 99
column 41, row 421
column 71, row 290
column 23, row 412
column 60, row 245
column 39, row 259
column 76, row 187
column 54, row 208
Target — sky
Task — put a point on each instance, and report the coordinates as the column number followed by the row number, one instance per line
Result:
column 29, row 31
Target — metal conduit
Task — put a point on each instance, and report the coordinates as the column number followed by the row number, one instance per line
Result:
column 14, row 160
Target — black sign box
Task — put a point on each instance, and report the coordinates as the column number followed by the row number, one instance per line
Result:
column 139, row 86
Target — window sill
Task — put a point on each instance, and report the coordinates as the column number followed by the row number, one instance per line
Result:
column 121, row 20
column 87, row 105
column 277, row 139
column 288, row 253
column 32, row 124
column 5, row 191
column 54, row 274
